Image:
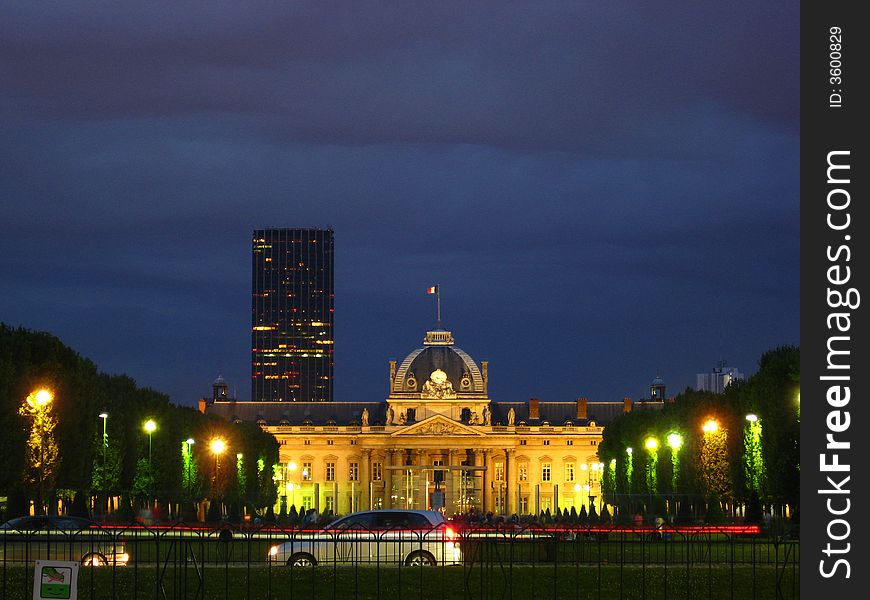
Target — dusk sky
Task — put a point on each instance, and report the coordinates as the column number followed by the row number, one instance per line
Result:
column 605, row 191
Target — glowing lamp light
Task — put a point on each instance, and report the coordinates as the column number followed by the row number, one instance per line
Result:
column 711, row 426
column 583, row 467
column 675, row 441
column 289, row 487
column 651, row 443
column 218, row 446
column 612, row 463
column 752, row 418
column 190, row 441
column 39, row 398
column 577, row 487
column 629, row 451
column 594, row 466
column 103, row 415
column 150, row 426
column 586, row 487
column 292, row 466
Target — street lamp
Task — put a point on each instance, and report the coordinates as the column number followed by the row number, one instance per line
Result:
column 105, row 417
column 752, row 451
column 217, row 447
column 150, row 427
column 39, row 401
column 40, row 398
column 652, row 446
column 189, row 460
column 714, row 456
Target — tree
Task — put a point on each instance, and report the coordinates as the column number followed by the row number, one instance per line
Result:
column 106, row 471
column 143, row 481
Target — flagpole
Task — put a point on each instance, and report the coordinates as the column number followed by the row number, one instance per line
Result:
column 438, row 295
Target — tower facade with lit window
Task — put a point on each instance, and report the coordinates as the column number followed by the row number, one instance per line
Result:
column 292, row 312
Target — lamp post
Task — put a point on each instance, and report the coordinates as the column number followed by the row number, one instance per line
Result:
column 675, row 441
column 105, row 417
column 189, row 442
column 217, row 447
column 752, row 448
column 39, row 401
column 150, row 427
column 714, row 457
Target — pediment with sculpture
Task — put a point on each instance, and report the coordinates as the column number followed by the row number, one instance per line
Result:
column 438, row 425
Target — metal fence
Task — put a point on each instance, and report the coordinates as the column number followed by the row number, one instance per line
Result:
column 182, row 561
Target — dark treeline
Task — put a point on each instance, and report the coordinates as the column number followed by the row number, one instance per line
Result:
column 736, row 463
column 88, row 469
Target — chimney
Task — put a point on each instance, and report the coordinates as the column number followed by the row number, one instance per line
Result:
column 533, row 409
column 582, row 404
column 626, row 405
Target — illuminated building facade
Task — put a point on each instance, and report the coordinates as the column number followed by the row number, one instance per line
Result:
column 292, row 310
column 438, row 441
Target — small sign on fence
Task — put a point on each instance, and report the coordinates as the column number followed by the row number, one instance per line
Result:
column 55, row 579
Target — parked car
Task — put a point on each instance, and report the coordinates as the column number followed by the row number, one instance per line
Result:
column 26, row 539
column 410, row 537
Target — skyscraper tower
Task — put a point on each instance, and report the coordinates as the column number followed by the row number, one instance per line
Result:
column 292, row 309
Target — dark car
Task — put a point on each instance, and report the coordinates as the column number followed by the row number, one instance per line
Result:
column 26, row 539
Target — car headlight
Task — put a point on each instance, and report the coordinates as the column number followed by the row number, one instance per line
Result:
column 273, row 551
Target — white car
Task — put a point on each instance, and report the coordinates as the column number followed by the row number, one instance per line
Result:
column 410, row 537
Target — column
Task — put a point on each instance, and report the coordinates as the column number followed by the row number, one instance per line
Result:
column 478, row 480
column 365, row 478
column 451, row 495
column 388, row 478
column 510, row 482
column 488, row 478
column 422, row 485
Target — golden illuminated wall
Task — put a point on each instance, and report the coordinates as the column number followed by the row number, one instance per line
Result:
column 528, row 468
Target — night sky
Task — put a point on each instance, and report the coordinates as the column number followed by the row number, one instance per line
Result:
column 605, row 191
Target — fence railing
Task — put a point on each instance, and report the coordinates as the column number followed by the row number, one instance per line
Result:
column 476, row 561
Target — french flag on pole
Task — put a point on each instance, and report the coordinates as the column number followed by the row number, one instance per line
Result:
column 432, row 289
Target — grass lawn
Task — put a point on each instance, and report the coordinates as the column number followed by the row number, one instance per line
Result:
column 490, row 581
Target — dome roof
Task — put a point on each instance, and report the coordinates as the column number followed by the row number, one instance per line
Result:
column 440, row 353
column 658, row 381
column 220, row 380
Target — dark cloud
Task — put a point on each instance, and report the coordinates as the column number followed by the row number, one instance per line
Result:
column 605, row 192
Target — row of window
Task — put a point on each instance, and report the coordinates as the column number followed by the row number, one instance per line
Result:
column 567, row 442
column 590, row 473
column 353, row 471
